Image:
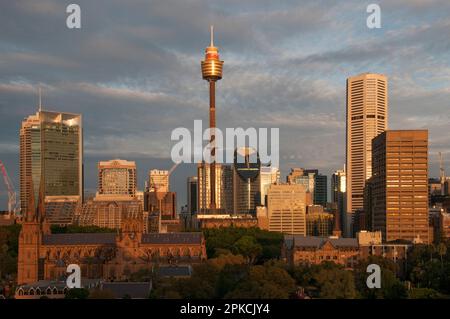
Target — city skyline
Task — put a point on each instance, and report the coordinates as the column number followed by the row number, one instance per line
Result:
column 308, row 103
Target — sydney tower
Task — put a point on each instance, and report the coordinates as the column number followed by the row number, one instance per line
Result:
column 212, row 72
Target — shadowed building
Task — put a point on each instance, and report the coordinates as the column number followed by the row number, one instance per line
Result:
column 192, row 187
column 246, row 181
column 338, row 190
column 319, row 224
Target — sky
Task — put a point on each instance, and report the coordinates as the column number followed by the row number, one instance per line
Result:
column 133, row 72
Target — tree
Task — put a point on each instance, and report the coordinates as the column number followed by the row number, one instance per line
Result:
column 247, row 246
column 335, row 283
column 230, row 277
column 391, row 286
column 264, row 282
column 424, row 293
column 442, row 251
column 77, row 293
column 101, row 294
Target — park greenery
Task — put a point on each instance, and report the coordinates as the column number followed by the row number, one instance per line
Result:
column 247, row 263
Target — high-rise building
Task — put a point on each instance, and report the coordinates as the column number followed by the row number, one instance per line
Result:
column 51, row 148
column 109, row 213
column 367, row 116
column 286, row 208
column 117, row 177
column 338, row 186
column 192, row 186
column 161, row 202
column 315, row 183
column 159, row 180
column 223, row 189
column 158, row 198
column 320, row 190
column 62, row 210
column 269, row 175
column 319, row 224
column 212, row 72
column 246, row 181
column 399, row 187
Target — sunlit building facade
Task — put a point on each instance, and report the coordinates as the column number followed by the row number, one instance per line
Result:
column 367, row 117
column 51, row 147
column 286, row 209
column 399, row 186
column 117, row 177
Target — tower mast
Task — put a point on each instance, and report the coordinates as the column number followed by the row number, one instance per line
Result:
column 212, row 72
column 441, row 173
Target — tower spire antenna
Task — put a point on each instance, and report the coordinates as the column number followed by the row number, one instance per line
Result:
column 40, row 99
column 212, row 35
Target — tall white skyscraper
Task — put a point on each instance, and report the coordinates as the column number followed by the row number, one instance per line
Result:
column 367, row 117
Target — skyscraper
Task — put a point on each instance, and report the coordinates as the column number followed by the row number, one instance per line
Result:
column 51, row 148
column 315, row 184
column 338, row 185
column 223, row 188
column 286, row 209
column 320, row 189
column 159, row 180
column 338, row 190
column 159, row 198
column 367, row 116
column 269, row 175
column 246, row 181
column 212, row 72
column 399, row 187
column 192, row 186
column 117, row 177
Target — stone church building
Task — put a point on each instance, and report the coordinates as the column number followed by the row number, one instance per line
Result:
column 108, row 256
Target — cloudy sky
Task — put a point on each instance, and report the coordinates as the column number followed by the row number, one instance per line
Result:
column 133, row 71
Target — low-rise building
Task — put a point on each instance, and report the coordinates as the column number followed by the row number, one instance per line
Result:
column 224, row 220
column 315, row 250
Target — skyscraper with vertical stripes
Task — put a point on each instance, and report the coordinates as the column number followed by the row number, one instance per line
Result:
column 367, row 117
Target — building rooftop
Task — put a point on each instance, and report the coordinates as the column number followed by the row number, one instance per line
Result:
column 317, row 242
column 110, row 238
column 172, row 238
column 79, row 239
column 134, row 290
column 175, row 271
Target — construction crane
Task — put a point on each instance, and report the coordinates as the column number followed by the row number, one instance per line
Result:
column 441, row 174
column 13, row 205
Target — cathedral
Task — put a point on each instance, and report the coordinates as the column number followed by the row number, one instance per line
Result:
column 108, row 256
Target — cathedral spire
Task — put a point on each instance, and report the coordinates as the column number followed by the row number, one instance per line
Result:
column 31, row 213
column 41, row 202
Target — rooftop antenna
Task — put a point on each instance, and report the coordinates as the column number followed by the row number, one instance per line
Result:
column 212, row 35
column 40, row 99
column 441, row 173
